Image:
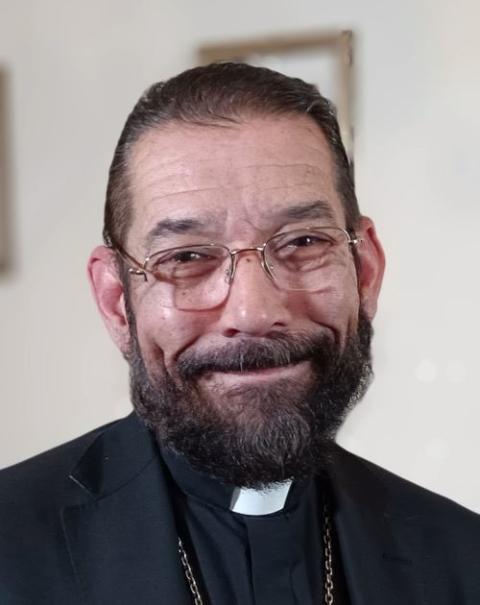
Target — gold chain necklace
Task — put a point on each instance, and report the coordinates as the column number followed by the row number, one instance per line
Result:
column 328, row 563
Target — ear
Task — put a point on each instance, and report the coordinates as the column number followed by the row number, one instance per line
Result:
column 108, row 291
column 371, row 266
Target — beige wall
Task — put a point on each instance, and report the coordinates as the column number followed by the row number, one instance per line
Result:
column 75, row 70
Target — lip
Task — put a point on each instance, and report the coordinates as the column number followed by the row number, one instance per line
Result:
column 267, row 374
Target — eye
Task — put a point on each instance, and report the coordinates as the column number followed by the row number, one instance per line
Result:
column 302, row 247
column 189, row 256
column 183, row 263
column 182, row 257
column 303, row 241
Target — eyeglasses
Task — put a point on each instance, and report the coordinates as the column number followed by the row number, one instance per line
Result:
column 198, row 277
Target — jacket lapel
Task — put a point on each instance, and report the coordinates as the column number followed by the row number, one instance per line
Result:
column 379, row 547
column 122, row 539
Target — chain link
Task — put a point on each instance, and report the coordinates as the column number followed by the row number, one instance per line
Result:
column 328, row 555
column 328, row 564
column 197, row 598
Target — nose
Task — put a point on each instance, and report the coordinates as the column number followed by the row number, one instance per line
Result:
column 254, row 306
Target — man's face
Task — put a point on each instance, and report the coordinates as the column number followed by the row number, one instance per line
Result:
column 238, row 185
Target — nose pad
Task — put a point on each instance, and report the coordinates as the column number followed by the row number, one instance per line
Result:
column 230, row 270
column 230, row 273
column 268, row 268
column 253, row 277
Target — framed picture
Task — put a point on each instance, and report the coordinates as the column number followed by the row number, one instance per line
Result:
column 322, row 58
column 5, row 249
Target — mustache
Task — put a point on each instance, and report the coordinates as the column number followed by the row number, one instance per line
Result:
column 249, row 354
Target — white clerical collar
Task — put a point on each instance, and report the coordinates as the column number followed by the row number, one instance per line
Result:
column 260, row 501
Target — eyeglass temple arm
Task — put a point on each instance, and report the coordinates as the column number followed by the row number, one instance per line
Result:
column 137, row 269
column 353, row 237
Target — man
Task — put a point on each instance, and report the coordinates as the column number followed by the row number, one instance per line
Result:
column 239, row 281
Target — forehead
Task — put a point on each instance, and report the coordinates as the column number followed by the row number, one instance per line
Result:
column 241, row 174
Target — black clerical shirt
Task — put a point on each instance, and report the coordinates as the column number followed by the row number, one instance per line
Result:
column 273, row 559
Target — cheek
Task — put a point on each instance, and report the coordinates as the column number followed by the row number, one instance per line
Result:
column 336, row 306
column 164, row 333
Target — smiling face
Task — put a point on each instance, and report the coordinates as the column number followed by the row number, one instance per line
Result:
column 236, row 185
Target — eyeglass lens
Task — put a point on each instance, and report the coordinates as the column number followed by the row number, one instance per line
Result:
column 197, row 277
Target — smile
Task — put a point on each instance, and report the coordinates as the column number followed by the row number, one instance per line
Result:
column 263, row 374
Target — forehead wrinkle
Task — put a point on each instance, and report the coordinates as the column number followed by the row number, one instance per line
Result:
column 284, row 176
column 150, row 167
column 150, row 155
column 155, row 178
column 292, row 186
column 282, row 165
column 181, row 175
column 174, row 194
column 228, row 190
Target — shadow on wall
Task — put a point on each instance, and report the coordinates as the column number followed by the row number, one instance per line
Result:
column 6, row 227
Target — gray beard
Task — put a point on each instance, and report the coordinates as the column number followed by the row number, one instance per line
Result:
column 251, row 436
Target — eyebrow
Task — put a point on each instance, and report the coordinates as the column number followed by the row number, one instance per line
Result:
column 173, row 225
column 318, row 209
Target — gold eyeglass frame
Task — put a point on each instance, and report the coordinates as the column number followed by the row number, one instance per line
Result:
column 351, row 239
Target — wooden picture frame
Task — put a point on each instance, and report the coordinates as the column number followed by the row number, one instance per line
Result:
column 302, row 55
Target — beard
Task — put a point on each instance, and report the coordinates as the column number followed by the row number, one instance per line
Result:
column 261, row 433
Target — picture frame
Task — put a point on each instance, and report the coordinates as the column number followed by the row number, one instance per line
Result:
column 324, row 58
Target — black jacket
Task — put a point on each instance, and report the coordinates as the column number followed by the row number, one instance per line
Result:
column 91, row 523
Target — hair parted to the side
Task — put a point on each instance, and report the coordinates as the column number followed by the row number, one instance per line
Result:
column 214, row 94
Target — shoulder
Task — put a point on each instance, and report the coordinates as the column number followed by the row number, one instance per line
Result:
column 413, row 523
column 42, row 478
column 407, row 499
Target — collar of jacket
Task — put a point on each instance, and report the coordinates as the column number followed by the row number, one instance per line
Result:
column 122, row 538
